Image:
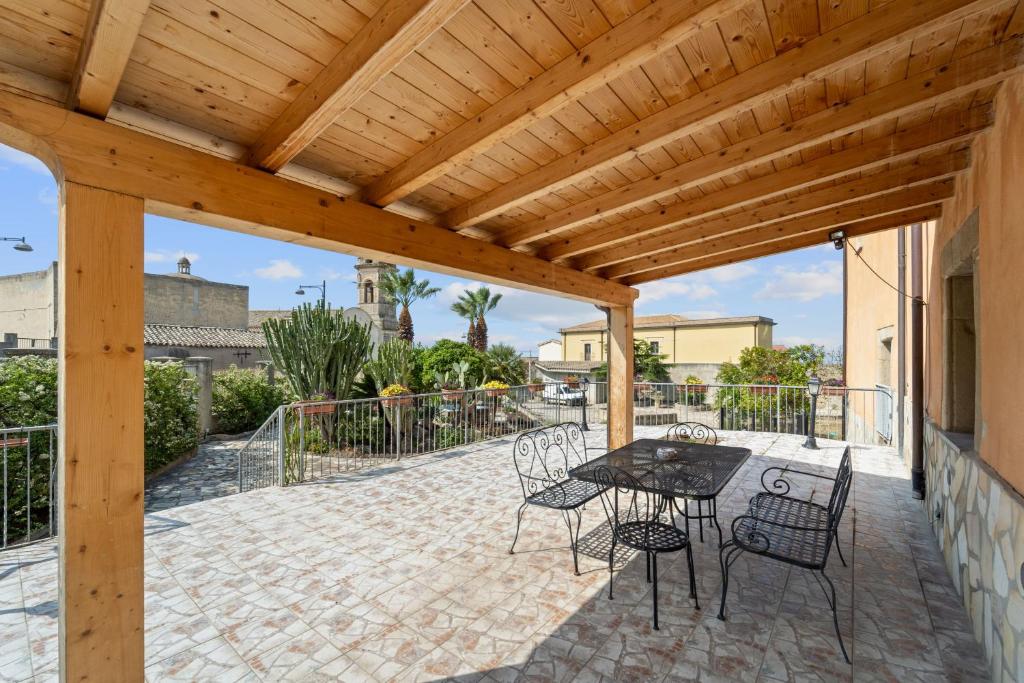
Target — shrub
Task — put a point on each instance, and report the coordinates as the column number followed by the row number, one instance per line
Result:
column 444, row 355
column 171, row 413
column 243, row 399
column 505, row 365
column 28, row 391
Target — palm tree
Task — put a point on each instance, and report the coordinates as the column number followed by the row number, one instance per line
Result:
column 403, row 288
column 485, row 303
column 466, row 308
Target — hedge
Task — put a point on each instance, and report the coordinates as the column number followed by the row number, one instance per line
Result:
column 243, row 399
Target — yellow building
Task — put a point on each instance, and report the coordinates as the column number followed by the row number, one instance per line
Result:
column 688, row 346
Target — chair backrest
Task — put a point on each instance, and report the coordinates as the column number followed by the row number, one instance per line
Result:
column 624, row 499
column 544, row 456
column 840, row 492
column 694, row 432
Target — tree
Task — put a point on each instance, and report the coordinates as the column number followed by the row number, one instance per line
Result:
column 760, row 365
column 318, row 350
column 404, row 289
column 505, row 364
column 445, row 354
column 485, row 303
column 465, row 307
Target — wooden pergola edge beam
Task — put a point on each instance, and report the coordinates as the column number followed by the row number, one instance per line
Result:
column 187, row 184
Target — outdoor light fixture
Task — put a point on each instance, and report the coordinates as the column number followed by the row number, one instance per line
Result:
column 813, row 388
column 20, row 243
column 838, row 238
column 301, row 291
column 585, row 384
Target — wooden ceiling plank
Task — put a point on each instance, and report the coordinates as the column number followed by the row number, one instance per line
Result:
column 628, row 45
column 808, row 239
column 107, row 40
column 857, row 189
column 921, row 91
column 390, row 36
column 901, row 146
column 883, row 29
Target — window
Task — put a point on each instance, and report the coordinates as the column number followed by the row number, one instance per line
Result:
column 961, row 345
column 655, row 347
column 368, row 292
column 586, row 351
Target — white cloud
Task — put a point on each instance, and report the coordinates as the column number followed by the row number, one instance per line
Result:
column 807, row 284
column 703, row 314
column 167, row 256
column 732, row 272
column 797, row 340
column 330, row 274
column 674, row 288
column 279, row 269
column 519, row 306
column 12, row 157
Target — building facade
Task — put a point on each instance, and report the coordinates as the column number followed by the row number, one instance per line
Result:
column 687, row 346
column 962, row 360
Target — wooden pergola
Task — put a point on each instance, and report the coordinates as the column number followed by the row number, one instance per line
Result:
column 575, row 147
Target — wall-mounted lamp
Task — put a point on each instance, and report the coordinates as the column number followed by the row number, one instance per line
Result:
column 838, row 238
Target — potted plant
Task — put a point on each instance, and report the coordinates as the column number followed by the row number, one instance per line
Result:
column 641, row 385
column 833, row 387
column 395, row 395
column 572, row 381
column 494, row 388
column 694, row 390
column 317, row 405
column 766, row 390
column 449, row 387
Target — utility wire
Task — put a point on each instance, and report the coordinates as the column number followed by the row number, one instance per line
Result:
column 856, row 252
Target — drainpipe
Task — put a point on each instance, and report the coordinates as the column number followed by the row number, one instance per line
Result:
column 917, row 362
column 901, row 338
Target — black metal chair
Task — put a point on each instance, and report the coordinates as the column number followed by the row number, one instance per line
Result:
column 792, row 530
column 543, row 458
column 696, row 432
column 637, row 522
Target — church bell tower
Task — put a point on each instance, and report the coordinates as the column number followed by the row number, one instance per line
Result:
column 380, row 308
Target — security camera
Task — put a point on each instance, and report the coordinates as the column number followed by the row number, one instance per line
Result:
column 838, row 238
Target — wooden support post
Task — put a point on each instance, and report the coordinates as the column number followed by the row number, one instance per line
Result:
column 620, row 375
column 100, row 424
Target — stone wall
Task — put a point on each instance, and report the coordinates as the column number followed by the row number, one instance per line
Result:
column 192, row 301
column 979, row 522
column 28, row 304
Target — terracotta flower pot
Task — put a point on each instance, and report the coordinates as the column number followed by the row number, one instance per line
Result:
column 318, row 409
column 396, row 401
column 494, row 393
column 452, row 394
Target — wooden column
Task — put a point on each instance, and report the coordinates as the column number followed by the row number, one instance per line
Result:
column 620, row 375
column 101, row 422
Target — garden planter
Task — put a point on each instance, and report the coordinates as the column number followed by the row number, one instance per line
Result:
column 693, row 388
column 495, row 393
column 452, row 394
column 573, row 385
column 397, row 401
column 764, row 391
column 317, row 409
column 833, row 391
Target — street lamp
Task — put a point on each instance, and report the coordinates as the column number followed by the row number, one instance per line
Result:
column 813, row 388
column 301, row 291
column 585, row 384
column 20, row 243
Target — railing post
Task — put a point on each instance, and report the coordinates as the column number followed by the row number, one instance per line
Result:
column 281, row 441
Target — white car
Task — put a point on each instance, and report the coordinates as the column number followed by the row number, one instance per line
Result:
column 560, row 393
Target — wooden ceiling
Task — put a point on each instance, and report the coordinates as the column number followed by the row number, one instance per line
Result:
column 630, row 139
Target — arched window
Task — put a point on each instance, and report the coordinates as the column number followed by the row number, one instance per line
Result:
column 368, row 292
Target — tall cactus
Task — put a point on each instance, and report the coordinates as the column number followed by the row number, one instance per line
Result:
column 318, row 350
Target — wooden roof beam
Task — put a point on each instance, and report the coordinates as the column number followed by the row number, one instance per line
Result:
column 657, row 27
column 865, row 37
column 927, row 89
column 187, row 184
column 391, row 35
column 110, row 31
column 901, row 146
column 808, row 239
column 756, row 233
column 621, row 261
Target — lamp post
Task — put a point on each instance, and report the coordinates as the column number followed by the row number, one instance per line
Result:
column 585, row 385
column 813, row 388
column 301, row 291
column 20, row 243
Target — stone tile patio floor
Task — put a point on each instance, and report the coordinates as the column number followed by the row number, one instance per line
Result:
column 404, row 574
column 212, row 473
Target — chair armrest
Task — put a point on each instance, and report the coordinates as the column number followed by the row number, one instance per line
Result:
column 758, row 538
column 780, row 486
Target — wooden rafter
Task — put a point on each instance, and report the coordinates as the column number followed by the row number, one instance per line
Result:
column 639, row 38
column 107, row 40
column 865, row 37
column 631, row 257
column 398, row 28
column 900, row 146
column 225, row 194
column 756, row 233
column 808, row 239
column 927, row 89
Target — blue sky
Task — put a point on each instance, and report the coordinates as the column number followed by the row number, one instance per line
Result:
column 801, row 291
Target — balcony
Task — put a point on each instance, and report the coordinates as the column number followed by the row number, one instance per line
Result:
column 403, row 573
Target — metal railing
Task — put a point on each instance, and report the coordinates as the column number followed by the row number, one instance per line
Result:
column 29, row 483
column 308, row 441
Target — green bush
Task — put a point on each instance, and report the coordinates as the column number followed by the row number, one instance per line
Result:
column 444, row 354
column 243, row 399
column 28, row 391
column 171, row 413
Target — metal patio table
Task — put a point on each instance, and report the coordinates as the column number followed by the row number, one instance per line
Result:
column 674, row 470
